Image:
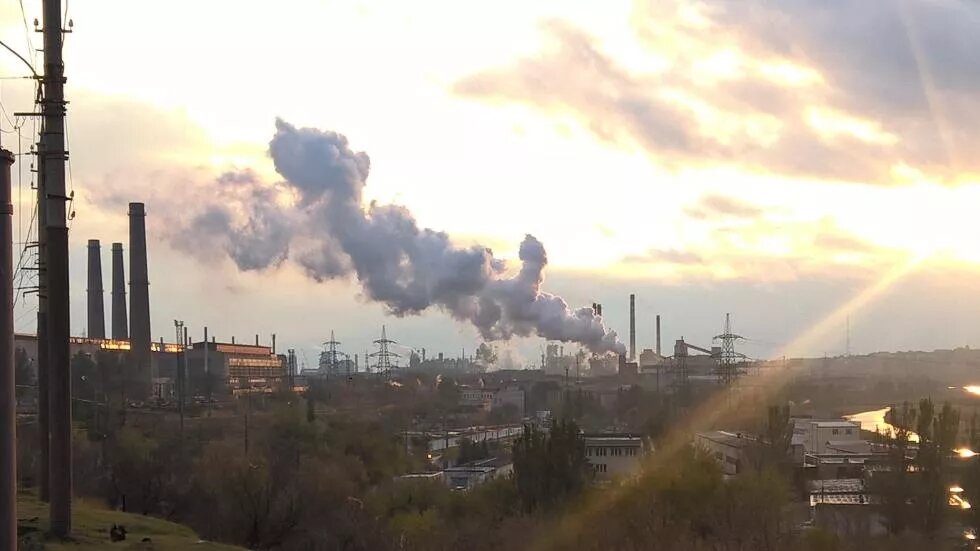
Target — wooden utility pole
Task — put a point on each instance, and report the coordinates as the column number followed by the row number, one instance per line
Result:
column 56, row 261
column 8, row 397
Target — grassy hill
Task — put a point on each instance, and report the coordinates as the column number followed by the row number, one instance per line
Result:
column 91, row 524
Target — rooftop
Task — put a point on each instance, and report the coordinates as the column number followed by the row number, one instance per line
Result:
column 850, row 446
column 737, row 440
column 611, row 437
column 836, row 485
column 838, row 424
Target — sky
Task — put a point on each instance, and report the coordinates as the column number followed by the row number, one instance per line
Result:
column 797, row 164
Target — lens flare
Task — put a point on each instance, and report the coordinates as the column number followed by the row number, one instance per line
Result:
column 965, row 453
column 956, row 500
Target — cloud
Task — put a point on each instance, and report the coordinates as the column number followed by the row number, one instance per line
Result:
column 669, row 256
column 836, row 241
column 781, row 88
column 719, row 206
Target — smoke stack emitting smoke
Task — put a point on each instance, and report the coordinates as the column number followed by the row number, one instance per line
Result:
column 330, row 234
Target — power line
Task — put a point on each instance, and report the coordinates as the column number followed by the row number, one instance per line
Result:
column 71, row 181
column 27, row 30
column 20, row 57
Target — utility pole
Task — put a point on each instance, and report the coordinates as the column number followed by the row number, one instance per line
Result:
column 179, row 327
column 187, row 366
column 56, row 251
column 8, row 397
column 43, row 364
column 207, row 371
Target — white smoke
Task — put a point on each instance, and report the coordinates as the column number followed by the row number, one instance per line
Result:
column 317, row 219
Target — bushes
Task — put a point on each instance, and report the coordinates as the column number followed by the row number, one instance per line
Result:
column 681, row 503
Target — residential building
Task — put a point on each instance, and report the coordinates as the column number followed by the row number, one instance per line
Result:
column 730, row 449
column 613, row 455
column 823, row 436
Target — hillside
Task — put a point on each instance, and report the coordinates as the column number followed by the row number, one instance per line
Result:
column 91, row 526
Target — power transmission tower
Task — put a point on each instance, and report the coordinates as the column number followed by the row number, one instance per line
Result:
column 729, row 361
column 681, row 381
column 383, row 357
column 329, row 359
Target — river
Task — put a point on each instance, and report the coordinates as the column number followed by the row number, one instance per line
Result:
column 874, row 420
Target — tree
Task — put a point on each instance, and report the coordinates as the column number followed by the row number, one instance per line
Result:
column 471, row 451
column 779, row 436
column 937, row 436
column 549, row 467
column 893, row 484
column 971, row 480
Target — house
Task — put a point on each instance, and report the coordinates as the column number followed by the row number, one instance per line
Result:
column 823, row 436
column 730, row 449
column 613, row 455
column 472, row 474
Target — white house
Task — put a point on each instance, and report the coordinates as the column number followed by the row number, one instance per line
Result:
column 613, row 455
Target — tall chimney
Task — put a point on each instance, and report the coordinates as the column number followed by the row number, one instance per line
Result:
column 96, row 302
column 120, row 325
column 658, row 334
column 632, row 327
column 139, row 291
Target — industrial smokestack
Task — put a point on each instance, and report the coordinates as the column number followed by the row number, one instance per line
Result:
column 96, row 302
column 658, row 334
column 632, row 327
column 120, row 325
column 139, row 292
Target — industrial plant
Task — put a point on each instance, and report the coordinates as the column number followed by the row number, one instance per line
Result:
column 478, row 408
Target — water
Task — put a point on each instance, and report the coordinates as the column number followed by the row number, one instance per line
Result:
column 875, row 420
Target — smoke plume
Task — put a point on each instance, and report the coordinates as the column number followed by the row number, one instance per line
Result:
column 317, row 218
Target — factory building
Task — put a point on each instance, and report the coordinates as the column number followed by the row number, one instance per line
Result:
column 163, row 358
column 219, row 367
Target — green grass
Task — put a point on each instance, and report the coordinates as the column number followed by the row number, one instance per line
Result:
column 90, row 527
